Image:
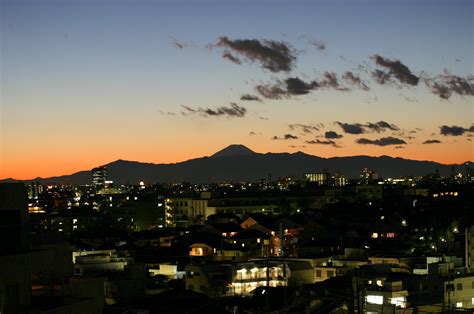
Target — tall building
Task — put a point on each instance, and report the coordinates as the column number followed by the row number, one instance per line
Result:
column 367, row 176
column 469, row 249
column 321, row 178
column 14, row 226
column 99, row 176
column 339, row 179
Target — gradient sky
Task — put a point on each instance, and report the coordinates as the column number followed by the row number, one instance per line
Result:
column 84, row 83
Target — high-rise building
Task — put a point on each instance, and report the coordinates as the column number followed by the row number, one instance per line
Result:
column 339, row 179
column 469, row 249
column 321, row 178
column 99, row 176
column 14, row 226
column 367, row 176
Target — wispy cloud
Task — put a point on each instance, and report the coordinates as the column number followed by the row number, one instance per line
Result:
column 229, row 56
column 305, row 128
column 395, row 69
column 323, row 142
column 355, row 80
column 359, row 128
column 273, row 55
column 285, row 137
column 447, row 84
column 384, row 141
column 233, row 110
column 248, row 97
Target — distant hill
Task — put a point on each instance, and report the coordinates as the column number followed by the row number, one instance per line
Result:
column 238, row 163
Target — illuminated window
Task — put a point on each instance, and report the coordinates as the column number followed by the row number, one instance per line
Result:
column 458, row 304
column 374, row 299
column 398, row 301
column 375, row 235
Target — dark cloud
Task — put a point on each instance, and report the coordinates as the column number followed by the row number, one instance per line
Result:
column 285, row 137
column 248, row 97
column 320, row 45
column 431, row 142
column 177, row 44
column 355, row 80
column 271, row 91
column 355, row 128
column 358, row 128
column 384, row 141
column 233, row 110
column 296, row 146
column 381, row 126
column 322, row 142
column 330, row 80
column 305, row 128
column 332, row 135
column 252, row 133
column 396, row 69
column 381, row 77
column 272, row 55
column 454, row 130
column 446, row 85
column 295, row 86
column 227, row 55
column 168, row 113
column 291, row 86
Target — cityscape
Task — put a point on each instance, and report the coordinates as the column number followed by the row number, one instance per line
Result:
column 239, row 157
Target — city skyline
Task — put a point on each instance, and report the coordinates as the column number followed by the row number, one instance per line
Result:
column 87, row 83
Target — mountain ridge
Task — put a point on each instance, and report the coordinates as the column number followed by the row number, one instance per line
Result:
column 236, row 162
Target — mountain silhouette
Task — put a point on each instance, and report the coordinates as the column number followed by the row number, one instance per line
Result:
column 237, row 163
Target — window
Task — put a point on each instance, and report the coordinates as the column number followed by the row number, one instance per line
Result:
column 459, row 286
column 318, row 273
column 330, row 273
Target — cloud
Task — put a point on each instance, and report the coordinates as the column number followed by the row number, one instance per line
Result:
column 358, row 128
column 330, row 81
column 381, row 77
column 177, row 44
column 227, row 55
column 355, row 128
column 233, row 110
column 447, row 84
column 320, row 45
column 454, row 130
column 355, row 80
column 295, row 86
column 291, row 86
column 271, row 91
column 381, row 126
column 322, row 142
column 248, row 97
column 168, row 113
column 332, row 135
column 272, row 55
column 286, row 137
column 396, row 69
column 305, row 128
column 384, row 141
column 252, row 133
column 432, row 142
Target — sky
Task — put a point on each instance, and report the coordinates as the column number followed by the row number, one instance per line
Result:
column 84, row 83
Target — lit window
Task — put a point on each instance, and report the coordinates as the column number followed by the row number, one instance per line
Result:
column 374, row 299
column 458, row 304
